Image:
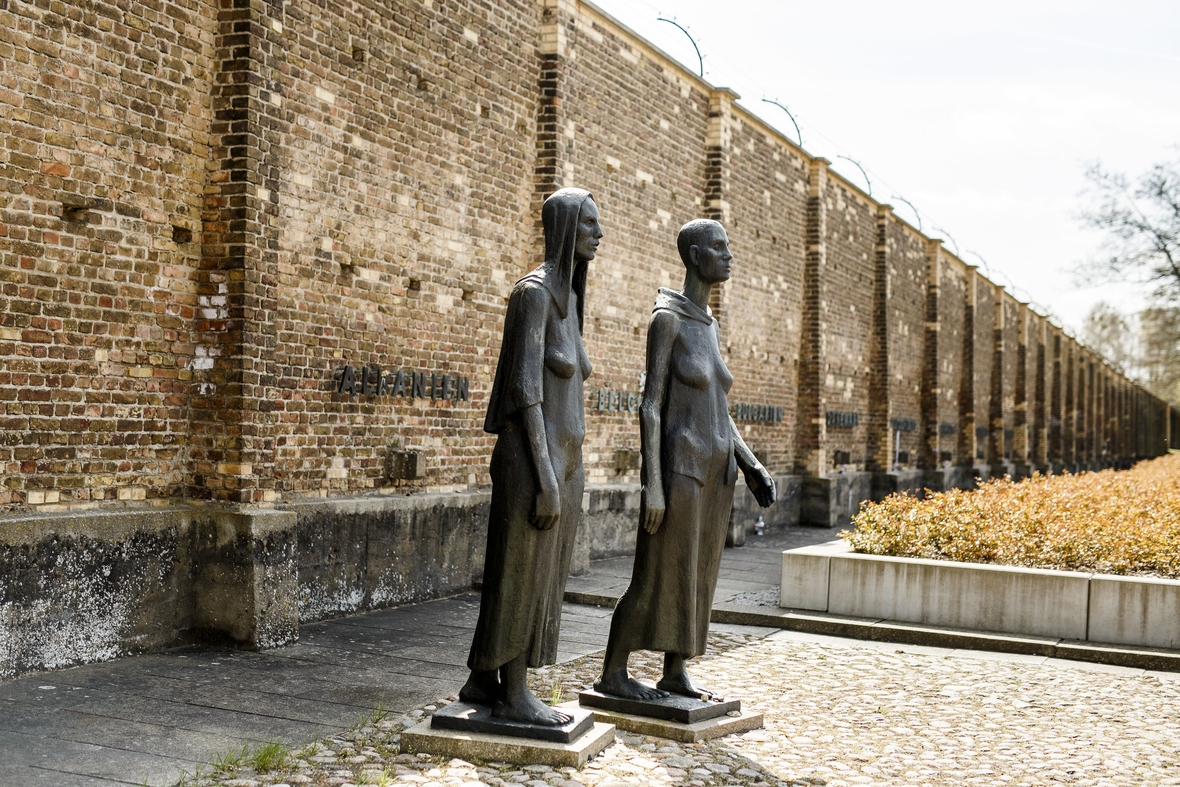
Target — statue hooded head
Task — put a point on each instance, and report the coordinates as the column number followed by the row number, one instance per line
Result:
column 562, row 269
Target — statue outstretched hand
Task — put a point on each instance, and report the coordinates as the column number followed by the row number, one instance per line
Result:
column 762, row 485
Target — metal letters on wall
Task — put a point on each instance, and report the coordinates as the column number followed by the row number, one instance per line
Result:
column 614, row 401
column 766, row 413
column 372, row 381
column 842, row 419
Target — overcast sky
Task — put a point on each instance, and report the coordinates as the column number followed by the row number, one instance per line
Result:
column 983, row 115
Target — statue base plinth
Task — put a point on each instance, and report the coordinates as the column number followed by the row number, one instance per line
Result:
column 515, row 742
column 466, row 717
column 680, row 732
column 684, row 710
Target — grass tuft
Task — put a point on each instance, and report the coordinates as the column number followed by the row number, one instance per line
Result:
column 269, row 756
column 231, row 760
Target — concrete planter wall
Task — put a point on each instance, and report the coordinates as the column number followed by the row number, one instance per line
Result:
column 830, row 578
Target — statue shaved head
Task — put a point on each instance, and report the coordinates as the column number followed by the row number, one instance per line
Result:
column 695, row 233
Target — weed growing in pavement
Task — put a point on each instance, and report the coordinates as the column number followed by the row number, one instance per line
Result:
column 231, row 760
column 381, row 780
column 375, row 715
column 269, row 756
column 1108, row 522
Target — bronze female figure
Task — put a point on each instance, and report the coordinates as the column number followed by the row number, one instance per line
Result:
column 537, row 412
column 691, row 451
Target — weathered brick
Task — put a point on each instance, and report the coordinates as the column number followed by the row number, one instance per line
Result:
column 211, row 207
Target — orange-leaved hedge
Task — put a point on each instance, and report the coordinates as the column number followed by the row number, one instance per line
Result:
column 1109, row 522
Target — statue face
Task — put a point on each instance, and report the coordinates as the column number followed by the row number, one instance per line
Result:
column 712, row 257
column 589, row 232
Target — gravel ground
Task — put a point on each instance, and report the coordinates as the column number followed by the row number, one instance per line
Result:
column 759, row 598
column 838, row 712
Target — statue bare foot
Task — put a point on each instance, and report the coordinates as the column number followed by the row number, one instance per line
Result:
column 679, row 683
column 620, row 684
column 481, row 688
column 530, row 710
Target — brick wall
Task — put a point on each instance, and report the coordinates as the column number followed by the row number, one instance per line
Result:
column 209, row 209
column 105, row 116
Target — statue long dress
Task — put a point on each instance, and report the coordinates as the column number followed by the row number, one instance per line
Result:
column 667, row 606
column 542, row 361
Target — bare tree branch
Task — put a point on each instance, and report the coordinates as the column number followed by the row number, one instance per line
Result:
column 1142, row 223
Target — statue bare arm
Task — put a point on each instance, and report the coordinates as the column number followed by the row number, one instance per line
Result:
column 548, row 504
column 661, row 336
column 759, row 480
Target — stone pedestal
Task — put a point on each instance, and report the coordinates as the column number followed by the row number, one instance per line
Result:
column 675, row 718
column 676, row 731
column 685, row 710
column 426, row 739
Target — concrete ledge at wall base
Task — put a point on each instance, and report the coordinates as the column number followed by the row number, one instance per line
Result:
column 362, row 553
column 610, row 516
column 84, row 586
column 782, row 514
column 833, row 501
column 245, row 577
column 895, row 481
column 1012, row 600
column 944, row 479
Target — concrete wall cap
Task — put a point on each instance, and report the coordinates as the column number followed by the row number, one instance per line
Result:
column 956, row 566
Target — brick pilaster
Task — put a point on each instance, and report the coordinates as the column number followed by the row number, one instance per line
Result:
column 1040, row 434
column 810, row 458
column 1020, row 426
column 966, row 449
column 554, row 168
column 928, row 453
column 879, row 454
column 1069, row 420
column 1056, row 403
column 718, row 142
column 995, row 443
column 232, row 440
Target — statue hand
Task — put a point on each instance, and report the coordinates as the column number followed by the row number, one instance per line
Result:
column 762, row 485
column 652, row 509
column 548, row 506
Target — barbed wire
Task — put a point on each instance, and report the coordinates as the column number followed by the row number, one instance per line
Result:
column 798, row 120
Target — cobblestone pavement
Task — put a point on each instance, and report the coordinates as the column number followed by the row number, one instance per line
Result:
column 838, row 712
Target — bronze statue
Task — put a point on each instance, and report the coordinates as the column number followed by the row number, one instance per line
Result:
column 537, row 412
column 691, row 451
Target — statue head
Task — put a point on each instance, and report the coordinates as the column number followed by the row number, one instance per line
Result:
column 570, row 220
column 704, row 249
